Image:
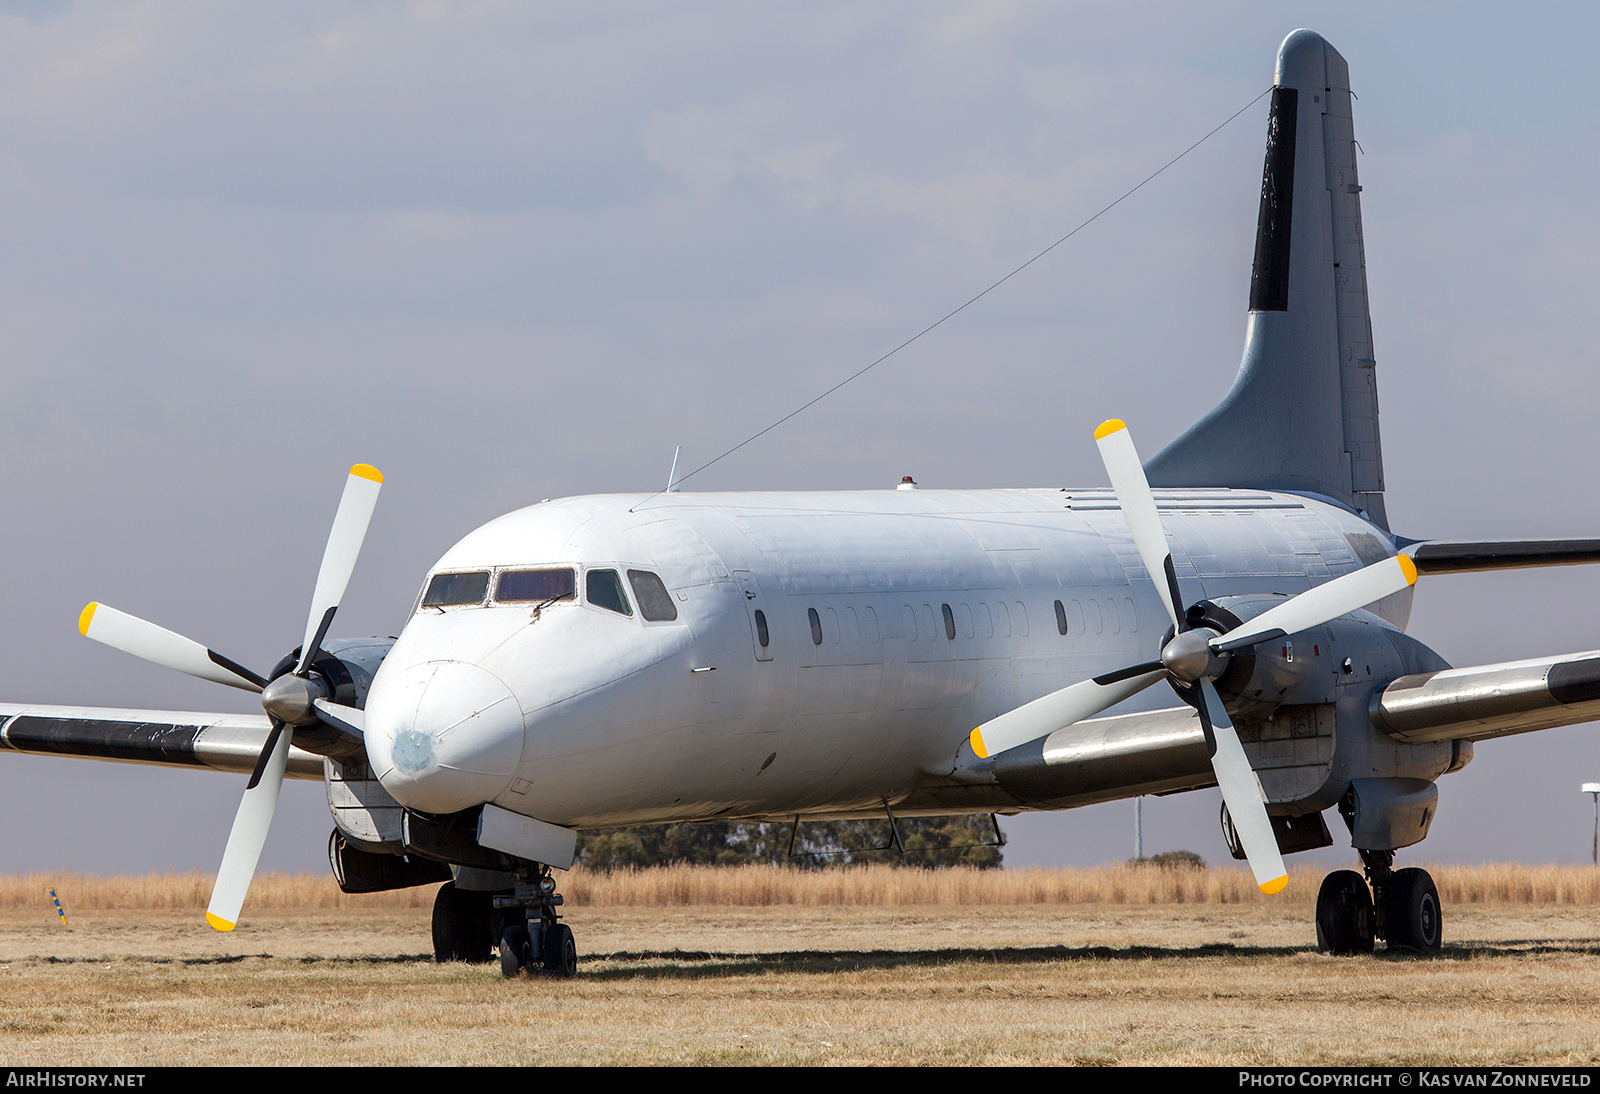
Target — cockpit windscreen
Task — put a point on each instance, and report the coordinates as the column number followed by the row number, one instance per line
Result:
column 454, row 590
column 535, row 585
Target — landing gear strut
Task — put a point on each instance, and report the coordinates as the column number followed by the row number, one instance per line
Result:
column 531, row 934
column 1402, row 908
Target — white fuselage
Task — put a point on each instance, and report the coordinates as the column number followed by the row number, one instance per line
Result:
column 582, row 716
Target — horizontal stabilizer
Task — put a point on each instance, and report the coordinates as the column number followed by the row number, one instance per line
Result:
column 1463, row 556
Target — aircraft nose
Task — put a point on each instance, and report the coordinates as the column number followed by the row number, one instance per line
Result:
column 443, row 735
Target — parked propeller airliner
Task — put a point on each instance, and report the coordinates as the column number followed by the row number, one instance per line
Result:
column 679, row 656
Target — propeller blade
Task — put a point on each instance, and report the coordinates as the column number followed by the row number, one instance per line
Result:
column 1139, row 510
column 339, row 558
column 350, row 719
column 1061, row 708
column 249, row 833
column 1241, row 791
column 156, row 644
column 1312, row 608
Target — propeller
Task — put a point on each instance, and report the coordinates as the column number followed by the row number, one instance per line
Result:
column 1193, row 657
column 294, row 699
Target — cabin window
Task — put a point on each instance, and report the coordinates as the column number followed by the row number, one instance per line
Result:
column 949, row 622
column 516, row 586
column 1061, row 617
column 603, row 589
column 761, row 628
column 655, row 603
column 816, row 626
column 456, row 590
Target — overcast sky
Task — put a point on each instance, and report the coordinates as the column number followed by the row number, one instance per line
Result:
column 515, row 251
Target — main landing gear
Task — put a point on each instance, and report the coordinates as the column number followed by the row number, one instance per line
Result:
column 1402, row 908
column 521, row 925
column 463, row 925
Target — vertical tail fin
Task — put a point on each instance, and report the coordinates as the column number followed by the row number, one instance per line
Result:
column 1302, row 414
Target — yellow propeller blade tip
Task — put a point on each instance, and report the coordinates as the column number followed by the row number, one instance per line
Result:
column 218, row 922
column 1275, row 885
column 1408, row 568
column 367, row 471
column 977, row 745
column 1107, row 428
column 86, row 617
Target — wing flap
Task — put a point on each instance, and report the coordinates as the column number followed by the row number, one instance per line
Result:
column 169, row 738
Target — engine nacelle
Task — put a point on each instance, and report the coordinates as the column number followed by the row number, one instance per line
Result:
column 1309, row 667
column 1300, row 704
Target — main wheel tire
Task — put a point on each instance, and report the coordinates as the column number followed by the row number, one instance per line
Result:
column 515, row 953
column 462, row 925
column 560, row 951
column 1344, row 914
column 1411, row 914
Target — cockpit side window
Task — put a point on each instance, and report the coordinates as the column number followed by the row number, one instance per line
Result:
column 655, row 603
column 603, row 589
column 535, row 585
column 456, row 590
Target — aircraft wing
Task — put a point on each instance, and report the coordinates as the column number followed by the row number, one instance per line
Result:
column 170, row 738
column 1486, row 701
column 1161, row 751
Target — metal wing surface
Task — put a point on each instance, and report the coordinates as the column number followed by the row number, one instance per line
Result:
column 169, row 738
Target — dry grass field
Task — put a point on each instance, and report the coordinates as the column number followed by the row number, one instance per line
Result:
column 869, row 966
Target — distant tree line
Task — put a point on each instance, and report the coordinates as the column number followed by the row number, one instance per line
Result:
column 963, row 840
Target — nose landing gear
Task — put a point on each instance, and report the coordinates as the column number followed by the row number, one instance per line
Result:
column 532, row 936
column 520, row 925
column 1402, row 908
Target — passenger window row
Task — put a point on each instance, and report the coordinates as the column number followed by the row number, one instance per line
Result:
column 1091, row 617
column 983, row 621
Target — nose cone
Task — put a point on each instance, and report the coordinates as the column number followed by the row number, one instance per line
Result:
column 443, row 735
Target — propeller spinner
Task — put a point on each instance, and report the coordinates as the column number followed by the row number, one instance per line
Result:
column 297, row 698
column 1193, row 657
